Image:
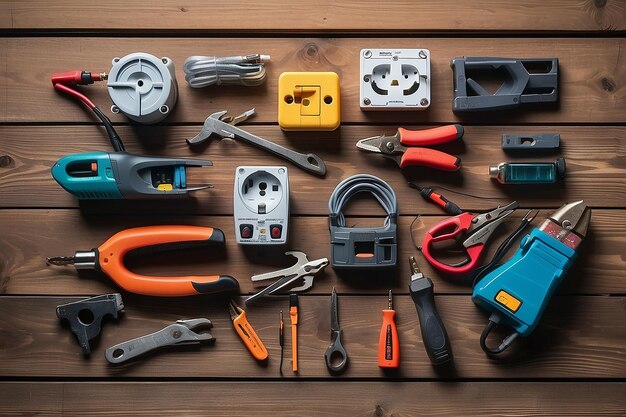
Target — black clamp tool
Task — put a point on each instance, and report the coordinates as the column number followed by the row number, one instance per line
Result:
column 368, row 247
column 85, row 316
column 523, row 84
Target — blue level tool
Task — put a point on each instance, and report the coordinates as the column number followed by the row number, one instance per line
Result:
column 517, row 293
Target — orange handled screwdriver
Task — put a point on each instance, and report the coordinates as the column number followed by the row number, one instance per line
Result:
column 388, row 342
column 246, row 332
column 293, row 313
column 109, row 258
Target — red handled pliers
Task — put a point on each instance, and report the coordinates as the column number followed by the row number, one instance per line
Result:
column 406, row 147
column 469, row 230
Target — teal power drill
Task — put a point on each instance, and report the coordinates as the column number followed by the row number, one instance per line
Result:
column 517, row 292
column 117, row 175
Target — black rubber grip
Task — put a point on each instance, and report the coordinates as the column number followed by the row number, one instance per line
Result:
column 434, row 335
column 225, row 283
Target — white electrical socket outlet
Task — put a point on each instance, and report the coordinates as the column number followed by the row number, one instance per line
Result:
column 261, row 205
column 395, row 79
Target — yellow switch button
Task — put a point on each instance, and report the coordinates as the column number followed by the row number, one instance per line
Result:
column 508, row 300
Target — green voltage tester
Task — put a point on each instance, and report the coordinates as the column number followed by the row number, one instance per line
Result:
column 517, row 292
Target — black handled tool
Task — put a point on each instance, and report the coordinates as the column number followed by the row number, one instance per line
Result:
column 434, row 335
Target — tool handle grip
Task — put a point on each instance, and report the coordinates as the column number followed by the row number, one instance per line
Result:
column 388, row 342
column 153, row 238
column 430, row 137
column 430, row 158
column 447, row 205
column 249, row 337
column 434, row 335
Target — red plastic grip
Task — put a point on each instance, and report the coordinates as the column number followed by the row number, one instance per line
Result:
column 429, row 137
column 447, row 230
column 430, row 158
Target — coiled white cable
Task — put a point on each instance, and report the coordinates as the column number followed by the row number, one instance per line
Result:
column 202, row 71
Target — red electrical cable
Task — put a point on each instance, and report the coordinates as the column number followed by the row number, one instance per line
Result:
column 74, row 93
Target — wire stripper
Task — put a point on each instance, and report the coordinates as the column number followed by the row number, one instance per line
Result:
column 109, row 258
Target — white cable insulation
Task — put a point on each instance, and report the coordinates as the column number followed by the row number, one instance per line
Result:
column 202, row 71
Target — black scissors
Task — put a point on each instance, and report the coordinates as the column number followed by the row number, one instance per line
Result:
column 336, row 355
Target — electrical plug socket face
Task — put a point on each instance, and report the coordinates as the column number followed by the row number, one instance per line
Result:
column 395, row 79
column 261, row 205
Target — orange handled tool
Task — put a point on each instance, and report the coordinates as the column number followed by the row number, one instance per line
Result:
column 246, row 332
column 293, row 314
column 388, row 342
column 109, row 258
column 406, row 147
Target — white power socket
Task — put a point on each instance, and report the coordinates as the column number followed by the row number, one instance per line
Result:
column 261, row 205
column 395, row 79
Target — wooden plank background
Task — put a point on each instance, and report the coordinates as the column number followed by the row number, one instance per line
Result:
column 574, row 363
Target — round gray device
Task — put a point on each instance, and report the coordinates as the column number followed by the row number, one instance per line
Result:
column 143, row 87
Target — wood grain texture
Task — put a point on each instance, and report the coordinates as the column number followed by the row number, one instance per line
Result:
column 320, row 16
column 594, row 155
column 29, row 236
column 579, row 337
column 592, row 76
column 312, row 398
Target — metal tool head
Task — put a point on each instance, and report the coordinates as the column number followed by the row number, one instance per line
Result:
column 197, row 330
column 215, row 125
column 234, row 310
column 569, row 224
column 416, row 273
column 334, row 312
column 382, row 144
column 483, row 225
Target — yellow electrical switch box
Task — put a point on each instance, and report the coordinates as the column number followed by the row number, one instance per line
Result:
column 308, row 101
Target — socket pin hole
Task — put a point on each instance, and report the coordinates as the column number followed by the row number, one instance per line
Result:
column 86, row 316
column 406, row 76
column 262, row 193
column 288, row 99
column 383, row 76
column 328, row 99
column 263, row 185
column 306, row 102
column 366, row 79
column 274, row 187
column 140, row 83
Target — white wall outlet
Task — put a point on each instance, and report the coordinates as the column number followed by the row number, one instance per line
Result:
column 261, row 205
column 395, row 79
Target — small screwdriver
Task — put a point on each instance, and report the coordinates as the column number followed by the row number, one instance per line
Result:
column 388, row 342
column 434, row 335
column 430, row 195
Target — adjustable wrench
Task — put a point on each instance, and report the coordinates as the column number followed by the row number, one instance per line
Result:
column 224, row 126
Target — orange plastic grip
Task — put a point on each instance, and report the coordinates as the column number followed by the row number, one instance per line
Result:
column 249, row 337
column 293, row 312
column 429, row 137
column 388, row 342
column 112, row 253
column 430, row 158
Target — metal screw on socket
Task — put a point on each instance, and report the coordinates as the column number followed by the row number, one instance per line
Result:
column 422, row 54
column 424, row 102
column 367, row 54
column 367, row 101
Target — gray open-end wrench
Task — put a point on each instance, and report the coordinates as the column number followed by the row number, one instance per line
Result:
column 183, row 332
column 224, row 126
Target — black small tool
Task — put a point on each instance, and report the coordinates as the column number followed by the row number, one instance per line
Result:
column 528, row 80
column 531, row 143
column 434, row 335
column 85, row 316
column 336, row 351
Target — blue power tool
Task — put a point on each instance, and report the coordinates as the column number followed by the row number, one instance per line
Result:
column 117, row 175
column 517, row 292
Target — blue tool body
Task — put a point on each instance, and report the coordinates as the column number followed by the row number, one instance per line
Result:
column 521, row 288
column 120, row 175
column 88, row 184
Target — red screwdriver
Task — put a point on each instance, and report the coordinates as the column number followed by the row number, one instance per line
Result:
column 430, row 195
column 388, row 342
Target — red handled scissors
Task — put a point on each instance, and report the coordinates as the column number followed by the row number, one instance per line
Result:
column 471, row 231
